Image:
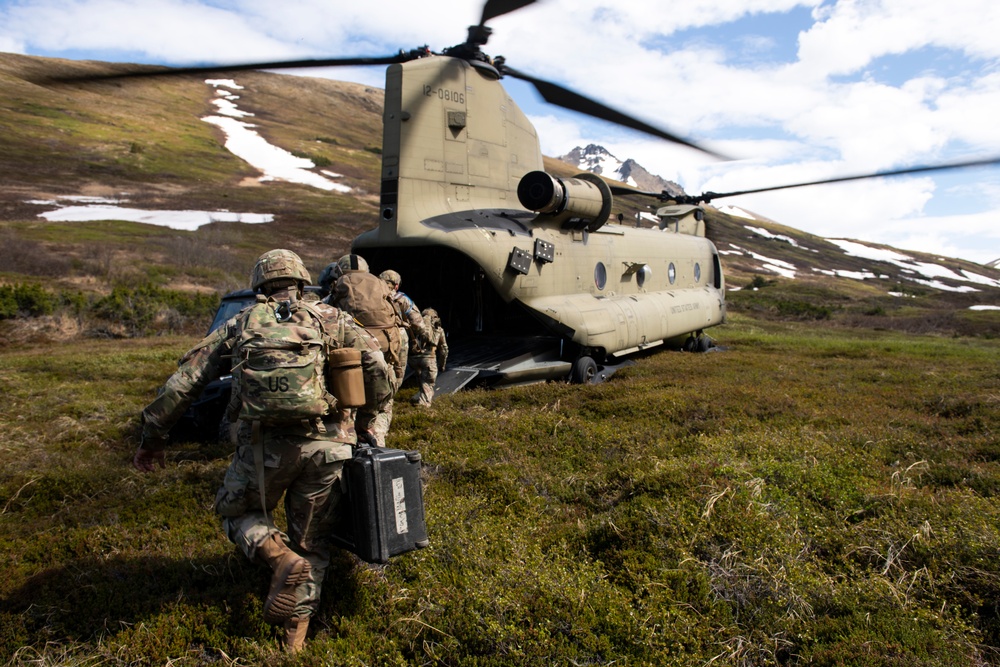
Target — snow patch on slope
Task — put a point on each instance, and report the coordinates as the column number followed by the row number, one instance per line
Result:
column 243, row 141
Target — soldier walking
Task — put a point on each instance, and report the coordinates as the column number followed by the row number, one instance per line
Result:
column 411, row 323
column 427, row 359
column 368, row 299
column 290, row 432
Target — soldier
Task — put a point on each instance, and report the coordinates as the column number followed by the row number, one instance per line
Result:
column 411, row 322
column 368, row 299
column 301, row 458
column 427, row 359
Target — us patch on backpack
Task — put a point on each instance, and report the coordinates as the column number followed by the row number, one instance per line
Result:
column 279, row 364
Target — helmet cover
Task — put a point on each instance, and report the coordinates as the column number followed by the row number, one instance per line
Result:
column 391, row 277
column 352, row 262
column 277, row 264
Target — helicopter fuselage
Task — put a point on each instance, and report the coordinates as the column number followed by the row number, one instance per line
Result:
column 455, row 149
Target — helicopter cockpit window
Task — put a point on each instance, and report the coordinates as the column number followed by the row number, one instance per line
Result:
column 671, row 273
column 600, row 275
column 697, row 272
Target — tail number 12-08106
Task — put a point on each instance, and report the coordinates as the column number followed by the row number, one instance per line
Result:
column 444, row 94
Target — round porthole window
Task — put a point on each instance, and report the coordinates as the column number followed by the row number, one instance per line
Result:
column 697, row 272
column 671, row 273
column 643, row 274
column 600, row 275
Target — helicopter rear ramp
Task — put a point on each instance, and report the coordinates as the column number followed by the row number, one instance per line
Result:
column 501, row 361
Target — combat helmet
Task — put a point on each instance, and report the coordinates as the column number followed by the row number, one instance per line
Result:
column 431, row 315
column 276, row 265
column 391, row 277
column 352, row 262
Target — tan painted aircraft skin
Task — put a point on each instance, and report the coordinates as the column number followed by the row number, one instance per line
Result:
column 455, row 149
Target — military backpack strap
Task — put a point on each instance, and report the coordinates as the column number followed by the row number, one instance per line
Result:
column 257, row 442
column 397, row 307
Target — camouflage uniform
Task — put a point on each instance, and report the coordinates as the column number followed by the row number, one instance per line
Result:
column 302, row 461
column 354, row 279
column 411, row 323
column 426, row 359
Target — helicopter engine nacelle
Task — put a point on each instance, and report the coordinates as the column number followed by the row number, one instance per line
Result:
column 584, row 200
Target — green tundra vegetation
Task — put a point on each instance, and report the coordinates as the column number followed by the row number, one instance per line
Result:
column 822, row 490
column 806, row 495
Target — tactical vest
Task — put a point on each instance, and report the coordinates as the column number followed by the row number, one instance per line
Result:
column 367, row 298
column 279, row 362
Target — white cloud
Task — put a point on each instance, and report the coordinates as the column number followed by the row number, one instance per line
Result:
column 852, row 34
column 557, row 135
column 9, row 44
column 158, row 29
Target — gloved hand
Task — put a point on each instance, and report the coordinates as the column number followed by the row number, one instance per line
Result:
column 150, row 452
column 367, row 439
column 153, row 442
column 146, row 460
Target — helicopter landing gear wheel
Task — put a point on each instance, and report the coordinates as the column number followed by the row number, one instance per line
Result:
column 698, row 342
column 584, row 371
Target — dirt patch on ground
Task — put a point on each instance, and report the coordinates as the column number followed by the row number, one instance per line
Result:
column 99, row 190
column 48, row 329
column 193, row 288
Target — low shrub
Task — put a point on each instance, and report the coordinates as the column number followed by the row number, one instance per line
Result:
column 136, row 308
column 131, row 310
column 31, row 300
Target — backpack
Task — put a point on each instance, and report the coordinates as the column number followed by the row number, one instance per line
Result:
column 279, row 364
column 367, row 298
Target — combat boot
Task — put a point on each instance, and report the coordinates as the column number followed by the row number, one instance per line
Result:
column 295, row 633
column 289, row 570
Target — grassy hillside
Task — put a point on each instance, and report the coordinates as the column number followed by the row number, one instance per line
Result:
column 143, row 140
column 809, row 496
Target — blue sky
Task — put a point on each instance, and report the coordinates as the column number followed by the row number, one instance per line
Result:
column 797, row 90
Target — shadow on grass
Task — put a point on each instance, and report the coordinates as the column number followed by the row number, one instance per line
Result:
column 153, row 605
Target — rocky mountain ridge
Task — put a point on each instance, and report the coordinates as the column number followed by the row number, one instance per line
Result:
column 598, row 160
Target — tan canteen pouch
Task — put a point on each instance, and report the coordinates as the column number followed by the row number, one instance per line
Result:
column 346, row 382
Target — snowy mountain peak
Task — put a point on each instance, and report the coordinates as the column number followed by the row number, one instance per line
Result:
column 598, row 160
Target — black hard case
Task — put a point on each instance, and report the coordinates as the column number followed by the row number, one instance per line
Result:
column 381, row 513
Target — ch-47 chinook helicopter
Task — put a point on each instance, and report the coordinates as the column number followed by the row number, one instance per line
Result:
column 530, row 280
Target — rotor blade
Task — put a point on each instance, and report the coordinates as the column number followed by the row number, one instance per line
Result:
column 619, row 190
column 149, row 70
column 563, row 97
column 495, row 8
column 709, row 196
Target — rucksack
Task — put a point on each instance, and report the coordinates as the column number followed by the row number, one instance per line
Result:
column 367, row 298
column 279, row 363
